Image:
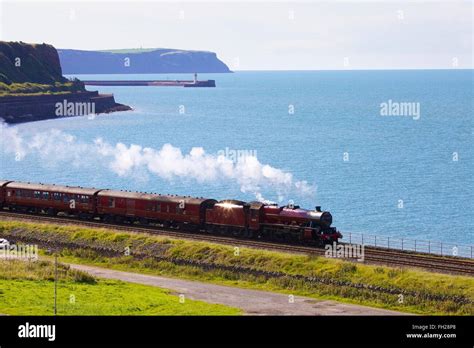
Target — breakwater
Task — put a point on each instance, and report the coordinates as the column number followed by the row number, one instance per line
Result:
column 156, row 83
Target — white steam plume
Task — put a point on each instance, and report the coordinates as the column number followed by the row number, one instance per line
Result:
column 168, row 162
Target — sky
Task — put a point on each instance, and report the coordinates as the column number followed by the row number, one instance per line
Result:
column 250, row 35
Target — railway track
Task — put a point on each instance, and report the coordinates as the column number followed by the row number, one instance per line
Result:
column 438, row 263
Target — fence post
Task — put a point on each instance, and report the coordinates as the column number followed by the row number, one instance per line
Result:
column 375, row 240
column 388, row 243
column 402, row 243
column 441, row 248
column 429, row 247
column 415, row 244
column 350, row 237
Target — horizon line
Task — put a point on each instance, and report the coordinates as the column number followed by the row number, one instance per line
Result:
column 354, row 69
column 282, row 70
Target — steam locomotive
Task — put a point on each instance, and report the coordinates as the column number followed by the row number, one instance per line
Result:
column 289, row 224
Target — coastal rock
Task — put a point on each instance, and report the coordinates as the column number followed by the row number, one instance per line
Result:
column 33, row 88
column 35, row 63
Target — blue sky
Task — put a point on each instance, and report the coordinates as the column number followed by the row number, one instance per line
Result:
column 260, row 35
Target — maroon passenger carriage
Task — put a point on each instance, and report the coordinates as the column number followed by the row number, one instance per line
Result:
column 289, row 224
column 171, row 211
column 2, row 192
column 50, row 199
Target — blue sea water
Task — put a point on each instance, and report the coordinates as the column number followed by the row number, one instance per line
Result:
column 336, row 114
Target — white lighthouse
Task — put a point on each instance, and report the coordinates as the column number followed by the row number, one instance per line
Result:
column 195, row 77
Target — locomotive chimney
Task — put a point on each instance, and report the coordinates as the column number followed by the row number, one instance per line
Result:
column 318, row 208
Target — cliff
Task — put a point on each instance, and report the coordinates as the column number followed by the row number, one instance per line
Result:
column 34, row 63
column 148, row 61
column 33, row 88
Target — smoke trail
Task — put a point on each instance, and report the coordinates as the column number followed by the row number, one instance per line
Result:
column 168, row 162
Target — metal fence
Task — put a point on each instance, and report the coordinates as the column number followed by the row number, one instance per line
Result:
column 424, row 246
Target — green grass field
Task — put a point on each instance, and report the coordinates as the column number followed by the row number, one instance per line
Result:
column 27, row 288
column 89, row 245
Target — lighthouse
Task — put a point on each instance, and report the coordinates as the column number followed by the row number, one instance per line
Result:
column 195, row 77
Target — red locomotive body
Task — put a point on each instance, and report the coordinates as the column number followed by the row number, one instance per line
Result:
column 50, row 199
column 291, row 223
column 229, row 217
column 256, row 216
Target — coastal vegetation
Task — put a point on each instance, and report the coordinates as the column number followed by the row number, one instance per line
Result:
column 27, row 288
column 33, row 69
column 31, row 85
column 407, row 290
column 29, row 88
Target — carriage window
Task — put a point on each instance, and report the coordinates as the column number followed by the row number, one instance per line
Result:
column 152, row 206
column 18, row 193
column 84, row 199
column 111, row 203
column 65, row 198
column 45, row 195
column 37, row 194
column 158, row 207
column 57, row 196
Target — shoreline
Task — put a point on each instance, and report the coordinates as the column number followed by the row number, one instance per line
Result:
column 30, row 108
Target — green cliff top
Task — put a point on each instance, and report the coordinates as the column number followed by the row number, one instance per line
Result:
column 32, row 69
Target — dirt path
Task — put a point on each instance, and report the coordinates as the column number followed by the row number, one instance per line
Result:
column 250, row 301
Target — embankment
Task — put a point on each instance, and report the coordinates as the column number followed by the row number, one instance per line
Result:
column 403, row 290
column 28, row 108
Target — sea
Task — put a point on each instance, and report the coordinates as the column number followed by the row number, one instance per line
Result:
column 388, row 153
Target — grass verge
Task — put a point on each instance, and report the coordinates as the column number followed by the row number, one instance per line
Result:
column 407, row 290
column 27, row 288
